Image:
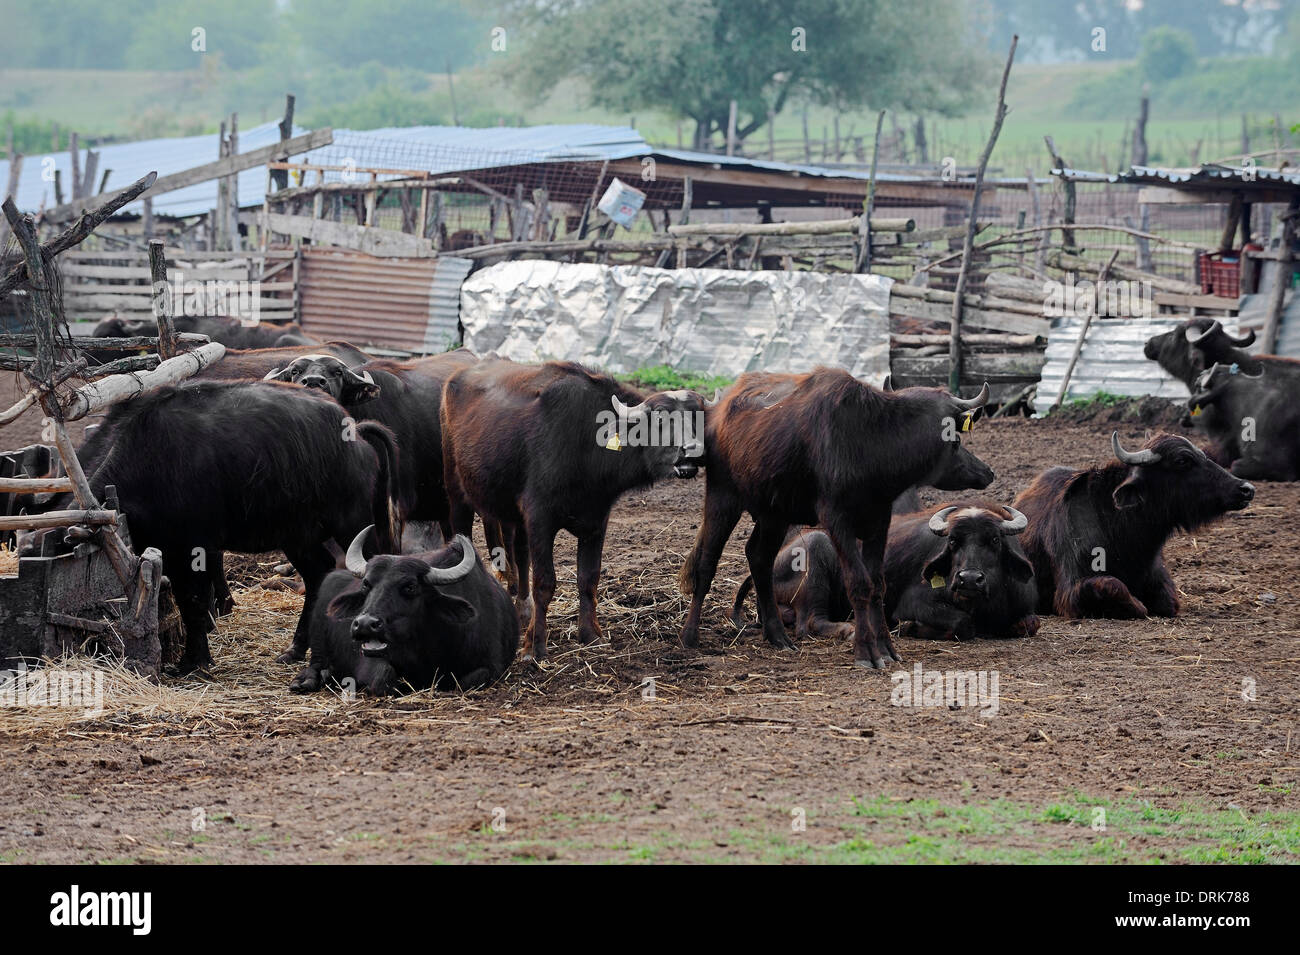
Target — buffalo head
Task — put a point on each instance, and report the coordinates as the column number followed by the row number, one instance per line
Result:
column 1197, row 344
column 402, row 607
column 669, row 425
column 1174, row 477
column 957, row 469
column 326, row 373
column 977, row 553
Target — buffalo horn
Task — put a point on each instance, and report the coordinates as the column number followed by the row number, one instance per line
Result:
column 939, row 521
column 449, row 575
column 979, row 401
column 1017, row 524
column 355, row 561
column 1134, row 457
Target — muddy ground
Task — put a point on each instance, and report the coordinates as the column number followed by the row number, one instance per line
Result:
column 1112, row 740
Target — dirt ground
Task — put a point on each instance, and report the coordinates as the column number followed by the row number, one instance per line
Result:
column 1112, row 740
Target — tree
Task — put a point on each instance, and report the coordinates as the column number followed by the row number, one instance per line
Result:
column 692, row 59
column 1166, row 53
column 420, row 34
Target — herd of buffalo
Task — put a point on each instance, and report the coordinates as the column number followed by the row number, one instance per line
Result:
column 368, row 474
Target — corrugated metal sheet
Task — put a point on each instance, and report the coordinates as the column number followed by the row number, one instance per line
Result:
column 1209, row 175
column 1112, row 360
column 715, row 321
column 436, row 149
column 405, row 303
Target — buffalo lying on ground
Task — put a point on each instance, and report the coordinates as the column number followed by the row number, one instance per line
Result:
column 1096, row 536
column 426, row 619
column 254, row 364
column 210, row 466
column 972, row 581
column 546, row 448
column 808, row 586
column 823, row 448
column 1257, row 420
column 33, row 461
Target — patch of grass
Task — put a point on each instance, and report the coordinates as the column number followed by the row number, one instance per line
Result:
column 664, row 378
column 1097, row 401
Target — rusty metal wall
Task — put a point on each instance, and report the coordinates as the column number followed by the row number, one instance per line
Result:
column 406, row 303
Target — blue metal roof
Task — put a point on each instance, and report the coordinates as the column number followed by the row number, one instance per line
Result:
column 437, row 149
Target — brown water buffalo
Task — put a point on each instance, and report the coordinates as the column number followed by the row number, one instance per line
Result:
column 823, row 448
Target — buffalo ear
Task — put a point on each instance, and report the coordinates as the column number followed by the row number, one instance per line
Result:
column 456, row 611
column 346, row 604
column 1018, row 565
column 357, row 389
column 1128, row 494
column 940, row 564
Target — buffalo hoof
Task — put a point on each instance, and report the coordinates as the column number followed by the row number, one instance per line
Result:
column 689, row 637
column 871, row 664
column 292, row 655
column 307, row 681
column 778, row 638
column 198, row 664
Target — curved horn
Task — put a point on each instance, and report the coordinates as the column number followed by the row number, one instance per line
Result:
column 1195, row 338
column 355, row 561
column 887, row 384
column 1017, row 524
column 1243, row 340
column 273, row 374
column 717, row 396
column 1135, row 457
column 979, row 401
column 626, row 411
column 449, row 575
column 939, row 521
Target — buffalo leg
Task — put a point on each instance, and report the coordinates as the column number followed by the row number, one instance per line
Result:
column 926, row 611
column 1101, row 596
column 192, row 591
column 313, row 563
column 761, row 549
column 873, row 558
column 223, row 599
column 721, row 513
column 590, row 547
column 860, row 585
column 1159, row 594
column 541, row 553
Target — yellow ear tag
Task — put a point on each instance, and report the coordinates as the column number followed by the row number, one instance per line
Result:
column 937, row 581
column 969, row 421
column 1196, row 411
column 614, row 444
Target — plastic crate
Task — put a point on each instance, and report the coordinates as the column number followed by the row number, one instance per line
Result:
column 1221, row 274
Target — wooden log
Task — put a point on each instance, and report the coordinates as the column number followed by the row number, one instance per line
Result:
column 78, row 231
column 162, row 300
column 43, row 485
column 954, row 373
column 863, row 263
column 1277, row 294
column 108, row 391
column 39, row 286
column 999, row 341
column 1068, row 185
column 850, row 225
column 134, row 343
column 35, row 522
column 189, row 177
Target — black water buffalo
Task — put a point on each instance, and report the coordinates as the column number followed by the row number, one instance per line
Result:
column 231, row 332
column 1096, row 536
column 1257, row 421
column 823, row 448
column 425, row 619
column 210, row 466
column 405, row 396
column 253, row 364
column 546, row 448
column 808, row 586
column 973, row 581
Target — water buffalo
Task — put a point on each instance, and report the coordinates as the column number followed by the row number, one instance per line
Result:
column 33, row 461
column 405, row 396
column 1096, row 536
column 253, row 364
column 1257, row 421
column 808, row 586
column 823, row 448
column 974, row 581
column 210, row 466
column 432, row 618
column 546, row 448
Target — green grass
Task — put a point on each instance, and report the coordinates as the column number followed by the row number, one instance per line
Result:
column 1095, row 402
column 664, row 378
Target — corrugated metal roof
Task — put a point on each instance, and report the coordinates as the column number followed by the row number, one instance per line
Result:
column 1210, row 175
column 436, row 149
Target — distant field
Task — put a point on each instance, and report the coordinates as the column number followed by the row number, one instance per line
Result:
column 133, row 105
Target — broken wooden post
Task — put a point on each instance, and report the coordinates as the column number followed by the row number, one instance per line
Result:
column 162, row 300
column 1277, row 294
column 954, row 348
column 868, row 206
column 1067, row 234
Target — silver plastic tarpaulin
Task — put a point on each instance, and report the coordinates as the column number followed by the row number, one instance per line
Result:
column 711, row 321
